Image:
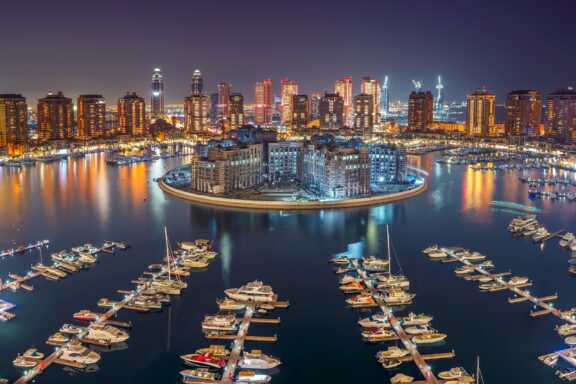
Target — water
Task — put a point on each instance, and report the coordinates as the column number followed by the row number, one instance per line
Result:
column 84, row 200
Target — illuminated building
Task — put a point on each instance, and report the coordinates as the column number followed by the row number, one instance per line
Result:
column 13, row 119
column 132, row 115
column 363, row 112
column 263, row 102
column 344, row 88
column 439, row 99
column 55, row 117
column 331, row 111
column 385, row 100
column 561, row 115
column 314, row 106
column 197, row 83
column 387, row 166
column 300, row 111
column 523, row 113
column 157, row 97
column 284, row 162
column 480, row 113
column 91, row 116
column 236, row 110
column 196, row 113
column 213, row 108
column 420, row 110
column 372, row 87
column 224, row 93
column 289, row 89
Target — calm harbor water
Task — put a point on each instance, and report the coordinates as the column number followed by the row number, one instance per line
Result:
column 84, row 200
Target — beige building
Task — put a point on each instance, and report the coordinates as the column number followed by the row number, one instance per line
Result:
column 480, row 113
column 196, row 113
column 91, row 120
column 132, row 115
column 55, row 117
column 13, row 119
column 289, row 89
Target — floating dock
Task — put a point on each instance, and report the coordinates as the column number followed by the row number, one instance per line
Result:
column 23, row 248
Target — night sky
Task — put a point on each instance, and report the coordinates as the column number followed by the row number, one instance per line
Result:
column 110, row 47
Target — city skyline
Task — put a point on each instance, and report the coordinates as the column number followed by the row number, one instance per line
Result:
column 395, row 47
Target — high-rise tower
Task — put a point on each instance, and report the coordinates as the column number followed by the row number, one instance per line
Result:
column 197, row 83
column 13, row 119
column 385, row 101
column 481, row 113
column 263, row 102
column 157, row 97
column 289, row 89
column 55, row 117
column 224, row 93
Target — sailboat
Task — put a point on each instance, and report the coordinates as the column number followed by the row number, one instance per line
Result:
column 387, row 280
column 479, row 378
column 168, row 285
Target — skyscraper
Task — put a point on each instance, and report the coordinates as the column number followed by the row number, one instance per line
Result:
column 523, row 113
column 363, row 112
column 372, row 87
column 157, row 97
column 13, row 119
column 344, row 88
column 289, row 89
column 439, row 99
column 331, row 111
column 300, row 111
column 314, row 106
column 420, row 110
column 197, row 84
column 561, row 115
column 236, row 110
column 480, row 113
column 132, row 115
column 263, row 102
column 196, row 113
column 224, row 92
column 91, row 118
column 214, row 108
column 385, row 101
column 55, row 117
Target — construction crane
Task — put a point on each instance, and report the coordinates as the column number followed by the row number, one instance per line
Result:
column 417, row 85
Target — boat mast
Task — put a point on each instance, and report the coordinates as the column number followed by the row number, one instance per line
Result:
column 167, row 252
column 389, row 261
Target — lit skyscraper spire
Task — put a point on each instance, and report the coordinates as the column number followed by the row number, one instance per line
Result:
column 197, row 83
column 157, row 97
column 385, row 100
column 439, row 100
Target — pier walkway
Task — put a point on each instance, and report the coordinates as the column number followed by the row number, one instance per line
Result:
column 22, row 249
column 237, row 347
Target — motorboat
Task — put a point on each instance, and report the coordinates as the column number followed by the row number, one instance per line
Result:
column 540, row 234
column 86, row 315
column 392, row 352
column 107, row 332
column 391, row 363
column 204, row 359
column 86, row 258
column 342, row 260
column 566, row 239
column 230, row 305
column 254, row 291
column 374, row 264
column 347, row 279
column 430, row 249
column 202, row 374
column 416, row 319
column 34, row 354
column 71, row 329
column 251, row 377
column 392, row 281
column 376, row 335
column 401, row 378
column 397, row 296
column 550, row 360
column 23, row 362
column 566, row 329
column 491, row 286
column 378, row 320
column 341, row 269
column 195, row 262
column 429, row 338
column 216, row 350
column 219, row 323
column 474, row 256
column 488, row 264
column 255, row 359
column 58, row 338
column 453, row 373
column 518, row 280
column 418, row 330
column 570, row 340
column 352, row 288
column 363, row 300
column 437, row 254
column 74, row 351
column 464, row 270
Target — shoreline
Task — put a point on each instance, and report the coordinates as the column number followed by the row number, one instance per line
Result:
column 291, row 205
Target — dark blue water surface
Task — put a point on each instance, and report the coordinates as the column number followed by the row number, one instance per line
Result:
column 84, row 200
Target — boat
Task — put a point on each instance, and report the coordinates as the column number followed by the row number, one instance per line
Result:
column 430, row 249
column 219, row 323
column 363, row 300
column 376, row 335
column 58, row 338
column 195, row 262
column 401, row 378
column 107, row 332
column 352, row 288
column 550, row 360
column 204, row 359
column 378, row 320
column 490, row 286
column 429, row 338
column 342, row 260
column 33, row 353
column 518, row 280
column 374, row 264
column 540, row 234
column 418, row 330
column 391, row 363
column 255, row 359
column 216, row 350
column 488, row 264
column 566, row 329
column 254, row 291
column 566, row 239
column 86, row 315
column 202, row 374
column 474, row 256
column 71, row 329
column 23, row 362
column 453, row 373
column 251, row 377
column 437, row 254
column 230, row 305
column 340, row 270
column 86, row 258
column 74, row 351
column 464, row 270
column 392, row 352
column 347, row 279
column 570, row 340
column 572, row 269
column 416, row 319
column 397, row 296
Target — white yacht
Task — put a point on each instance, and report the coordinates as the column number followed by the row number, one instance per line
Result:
column 352, row 288
column 439, row 254
column 246, row 377
column 74, row 351
column 518, row 280
column 216, row 350
column 86, row 258
column 392, row 281
column 429, row 338
column 346, row 279
column 488, row 264
column 474, row 256
column 230, row 305
column 396, row 296
column 392, row 352
column 195, row 262
column 255, row 359
column 401, row 378
column 540, row 234
column 219, row 323
column 377, row 335
column 453, row 373
column 363, row 300
column 416, row 319
column 374, row 264
column 430, row 249
column 566, row 239
column 71, row 329
column 378, row 320
column 418, row 330
column 464, row 270
column 566, row 329
column 254, row 291
column 106, row 332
